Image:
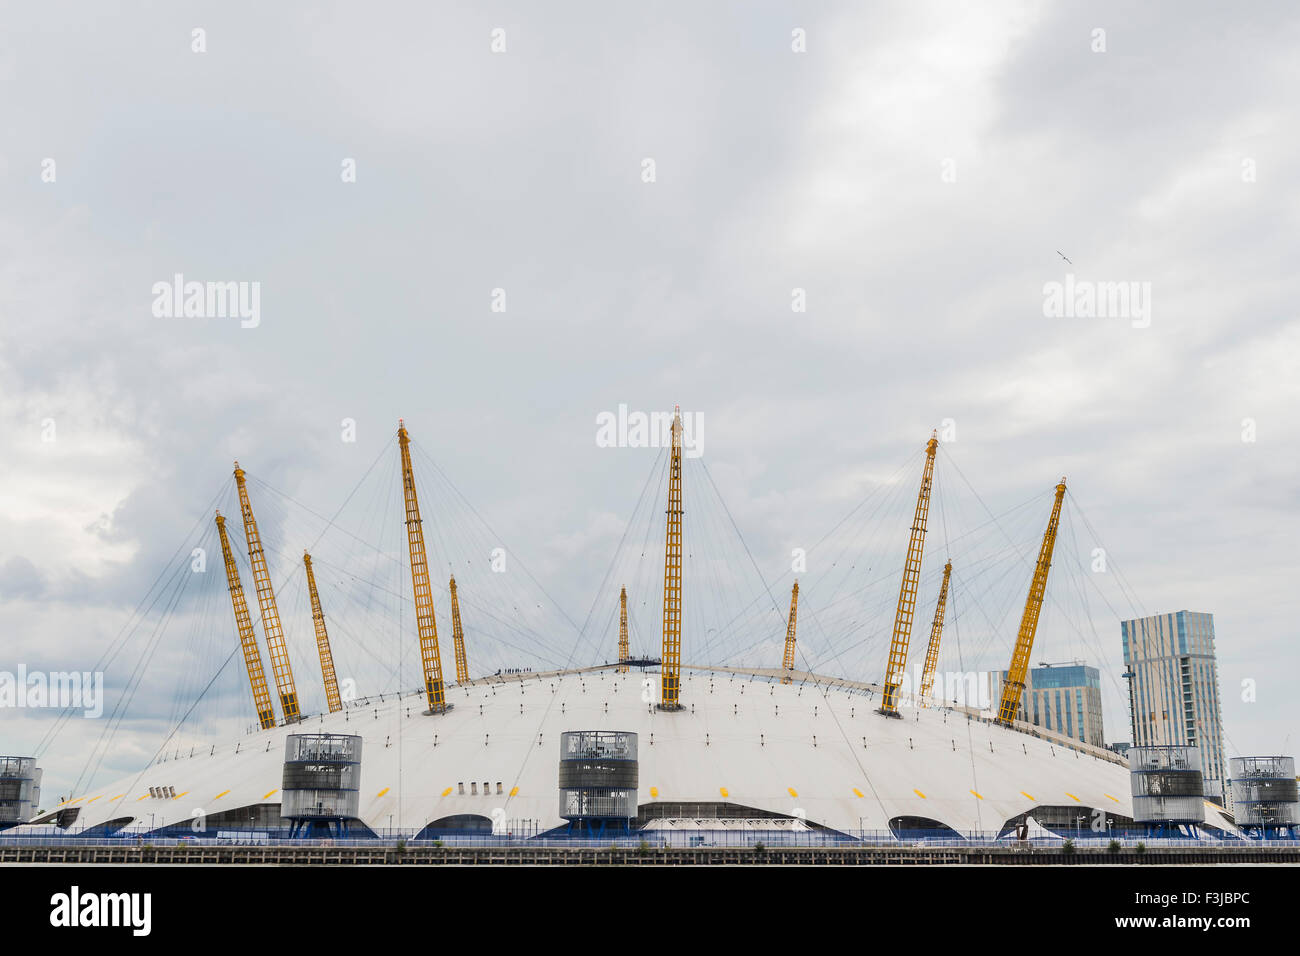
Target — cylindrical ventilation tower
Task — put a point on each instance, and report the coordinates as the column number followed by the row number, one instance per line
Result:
column 1167, row 785
column 1264, row 799
column 598, row 780
column 20, row 790
column 322, row 783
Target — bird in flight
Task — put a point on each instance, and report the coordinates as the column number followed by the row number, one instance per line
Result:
column 1063, row 256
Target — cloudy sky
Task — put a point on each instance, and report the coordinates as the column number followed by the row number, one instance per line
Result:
column 916, row 169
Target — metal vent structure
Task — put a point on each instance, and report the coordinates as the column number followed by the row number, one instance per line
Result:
column 1167, row 785
column 1264, row 792
column 598, row 776
column 20, row 790
column 321, row 785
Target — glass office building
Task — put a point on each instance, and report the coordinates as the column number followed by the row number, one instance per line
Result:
column 1063, row 698
column 1174, row 688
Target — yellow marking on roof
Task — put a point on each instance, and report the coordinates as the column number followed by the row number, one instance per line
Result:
column 386, row 789
column 514, row 791
column 92, row 800
column 654, row 791
column 1073, row 797
column 141, row 797
column 723, row 791
column 979, row 795
column 793, row 792
column 918, row 793
column 857, row 791
column 1029, row 795
column 447, row 791
column 221, row 794
column 119, row 796
column 1116, row 799
column 267, row 795
column 181, row 794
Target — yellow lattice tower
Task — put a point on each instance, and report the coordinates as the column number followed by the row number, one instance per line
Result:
column 435, row 691
column 936, row 629
column 907, row 592
column 623, row 653
column 322, row 640
column 247, row 638
column 271, row 628
column 671, row 669
column 458, row 636
column 788, row 663
column 1014, row 685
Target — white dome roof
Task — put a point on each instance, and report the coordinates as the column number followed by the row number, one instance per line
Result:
column 813, row 749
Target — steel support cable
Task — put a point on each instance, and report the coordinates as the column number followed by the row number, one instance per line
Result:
column 813, row 614
column 343, row 599
column 1027, row 561
column 1014, row 546
column 343, row 635
column 279, row 510
column 950, row 598
column 710, row 537
column 95, row 757
column 331, row 524
column 208, row 686
column 884, row 491
column 995, row 628
column 884, row 598
column 429, row 460
column 876, row 544
column 167, row 740
column 655, row 467
column 1129, row 593
column 473, row 604
column 955, row 594
column 744, row 544
column 1086, row 610
column 873, row 544
column 1126, row 591
column 200, row 636
column 631, row 567
column 647, row 568
column 896, row 493
column 888, row 483
column 834, row 652
column 817, row 685
column 601, row 592
column 272, row 533
column 119, row 640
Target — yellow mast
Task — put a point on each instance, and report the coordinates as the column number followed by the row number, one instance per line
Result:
column 907, row 592
column 936, row 629
column 623, row 653
column 430, row 657
column 271, row 628
column 788, row 663
column 458, row 636
column 1014, row 685
column 322, row 640
column 671, row 669
column 247, row 638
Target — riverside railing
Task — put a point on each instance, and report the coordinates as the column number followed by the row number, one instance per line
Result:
column 650, row 840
